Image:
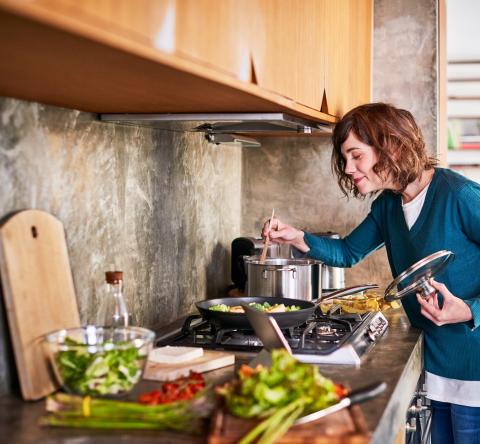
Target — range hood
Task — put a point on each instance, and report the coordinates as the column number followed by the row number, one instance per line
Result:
column 221, row 128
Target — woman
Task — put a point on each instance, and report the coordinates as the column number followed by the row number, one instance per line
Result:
column 421, row 209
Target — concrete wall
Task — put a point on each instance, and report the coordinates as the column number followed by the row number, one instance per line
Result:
column 161, row 206
column 405, row 60
column 294, row 175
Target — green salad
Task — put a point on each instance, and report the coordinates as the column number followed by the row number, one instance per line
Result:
column 258, row 392
column 105, row 372
column 269, row 308
column 279, row 395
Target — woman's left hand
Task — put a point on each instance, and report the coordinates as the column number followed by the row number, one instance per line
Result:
column 452, row 311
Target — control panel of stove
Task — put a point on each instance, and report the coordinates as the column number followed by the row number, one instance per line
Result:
column 377, row 327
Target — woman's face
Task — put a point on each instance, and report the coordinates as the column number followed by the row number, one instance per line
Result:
column 360, row 159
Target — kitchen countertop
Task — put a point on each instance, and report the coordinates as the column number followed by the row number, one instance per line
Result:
column 395, row 359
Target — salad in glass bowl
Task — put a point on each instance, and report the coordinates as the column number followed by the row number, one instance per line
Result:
column 99, row 361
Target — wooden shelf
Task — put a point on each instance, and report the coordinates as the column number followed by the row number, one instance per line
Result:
column 57, row 59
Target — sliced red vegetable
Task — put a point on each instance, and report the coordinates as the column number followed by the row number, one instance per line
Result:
column 181, row 389
column 341, row 391
column 246, row 371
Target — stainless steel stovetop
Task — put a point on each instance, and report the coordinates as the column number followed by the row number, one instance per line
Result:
column 334, row 339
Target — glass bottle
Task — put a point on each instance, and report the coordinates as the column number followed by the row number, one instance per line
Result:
column 113, row 310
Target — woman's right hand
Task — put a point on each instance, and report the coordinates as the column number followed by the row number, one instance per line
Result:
column 284, row 234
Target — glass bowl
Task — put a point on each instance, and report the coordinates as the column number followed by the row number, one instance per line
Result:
column 99, row 361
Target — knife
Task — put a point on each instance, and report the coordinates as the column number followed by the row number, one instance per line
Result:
column 356, row 397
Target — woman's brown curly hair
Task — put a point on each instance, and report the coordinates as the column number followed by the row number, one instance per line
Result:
column 395, row 137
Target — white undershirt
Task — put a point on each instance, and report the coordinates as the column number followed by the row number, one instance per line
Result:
column 438, row 388
column 411, row 210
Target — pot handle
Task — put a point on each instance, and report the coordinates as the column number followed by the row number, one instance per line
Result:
column 241, row 264
column 346, row 292
column 292, row 269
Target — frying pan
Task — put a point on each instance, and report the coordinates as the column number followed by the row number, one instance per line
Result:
column 284, row 320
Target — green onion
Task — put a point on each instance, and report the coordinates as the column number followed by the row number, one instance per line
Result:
column 74, row 411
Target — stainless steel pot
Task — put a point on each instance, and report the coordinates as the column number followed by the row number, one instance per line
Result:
column 284, row 278
column 333, row 278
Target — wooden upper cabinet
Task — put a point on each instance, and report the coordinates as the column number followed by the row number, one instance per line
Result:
column 348, row 41
column 315, row 49
column 140, row 20
column 189, row 55
column 288, row 53
column 208, row 32
column 215, row 33
column 274, row 45
column 279, row 45
column 310, row 54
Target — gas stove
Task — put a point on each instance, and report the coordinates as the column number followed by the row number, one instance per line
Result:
column 333, row 339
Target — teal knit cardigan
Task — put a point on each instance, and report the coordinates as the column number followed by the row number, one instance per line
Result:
column 449, row 220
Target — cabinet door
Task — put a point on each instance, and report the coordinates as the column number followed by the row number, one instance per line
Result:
column 212, row 33
column 288, row 49
column 360, row 73
column 348, row 33
column 309, row 60
column 274, row 45
column 216, row 33
column 140, row 20
column 298, row 49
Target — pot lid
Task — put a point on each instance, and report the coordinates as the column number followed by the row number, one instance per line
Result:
column 415, row 278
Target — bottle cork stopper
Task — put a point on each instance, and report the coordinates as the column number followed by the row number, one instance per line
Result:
column 114, row 277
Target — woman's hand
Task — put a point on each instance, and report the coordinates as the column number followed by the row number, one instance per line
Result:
column 452, row 311
column 284, row 234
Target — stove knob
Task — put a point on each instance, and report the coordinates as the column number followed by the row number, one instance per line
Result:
column 372, row 336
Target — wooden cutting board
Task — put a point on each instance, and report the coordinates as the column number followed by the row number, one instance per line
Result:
column 211, row 360
column 347, row 426
column 38, row 293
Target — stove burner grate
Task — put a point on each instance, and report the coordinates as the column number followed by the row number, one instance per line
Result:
column 321, row 334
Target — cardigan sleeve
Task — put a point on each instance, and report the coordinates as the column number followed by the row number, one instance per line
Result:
column 469, row 210
column 346, row 252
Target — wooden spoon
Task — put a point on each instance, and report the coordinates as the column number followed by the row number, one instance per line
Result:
column 265, row 245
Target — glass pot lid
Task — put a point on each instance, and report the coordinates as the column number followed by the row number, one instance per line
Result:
column 415, row 279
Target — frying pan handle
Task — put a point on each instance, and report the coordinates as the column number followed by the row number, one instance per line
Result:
column 346, row 291
column 365, row 393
